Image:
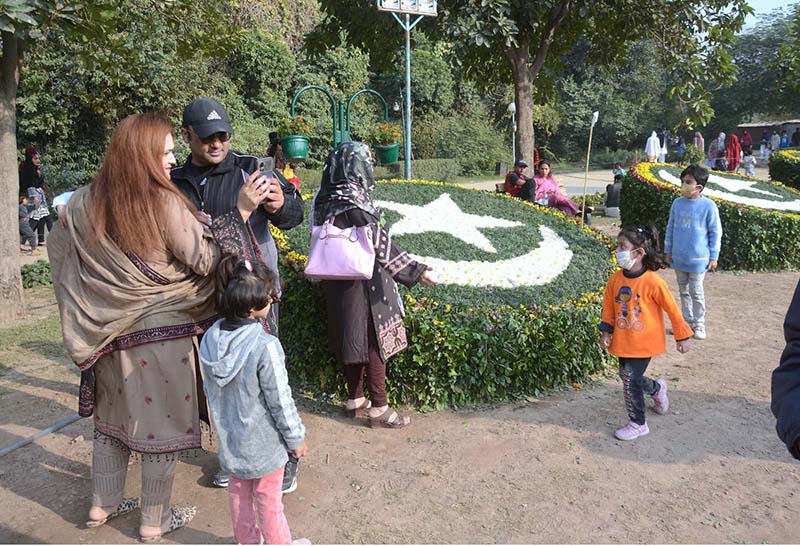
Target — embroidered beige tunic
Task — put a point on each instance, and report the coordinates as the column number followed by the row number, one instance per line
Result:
column 133, row 320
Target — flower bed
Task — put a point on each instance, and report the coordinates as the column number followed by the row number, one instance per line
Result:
column 517, row 310
column 760, row 218
column 784, row 165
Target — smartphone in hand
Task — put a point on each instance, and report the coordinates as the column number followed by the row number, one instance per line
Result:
column 267, row 167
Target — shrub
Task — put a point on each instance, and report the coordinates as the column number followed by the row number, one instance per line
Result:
column 784, row 165
column 36, row 274
column 606, row 157
column 753, row 237
column 440, row 170
column 467, row 344
column 692, row 155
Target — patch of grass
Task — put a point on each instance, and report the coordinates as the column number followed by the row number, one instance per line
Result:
column 39, row 336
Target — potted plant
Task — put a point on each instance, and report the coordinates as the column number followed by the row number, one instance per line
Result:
column 385, row 138
column 293, row 132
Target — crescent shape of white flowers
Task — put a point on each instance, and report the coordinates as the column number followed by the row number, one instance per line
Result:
column 535, row 268
column 539, row 266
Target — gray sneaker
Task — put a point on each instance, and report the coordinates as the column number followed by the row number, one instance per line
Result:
column 221, row 479
column 699, row 332
column 290, row 475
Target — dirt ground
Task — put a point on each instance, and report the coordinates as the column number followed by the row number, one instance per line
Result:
column 711, row 471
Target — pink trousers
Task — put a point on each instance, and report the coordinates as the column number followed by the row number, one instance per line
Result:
column 265, row 493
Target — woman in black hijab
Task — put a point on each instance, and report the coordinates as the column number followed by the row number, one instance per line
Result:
column 365, row 317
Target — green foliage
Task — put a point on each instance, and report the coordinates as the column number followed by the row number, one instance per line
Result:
column 432, row 80
column 753, row 239
column 693, row 155
column 343, row 71
column 466, row 138
column 442, row 170
column 262, row 67
column 630, row 96
column 784, row 165
column 290, row 20
column 759, row 69
column 36, row 274
column 463, row 349
column 72, row 95
column 606, row 157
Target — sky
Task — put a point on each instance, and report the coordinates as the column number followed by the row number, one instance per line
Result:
column 763, row 7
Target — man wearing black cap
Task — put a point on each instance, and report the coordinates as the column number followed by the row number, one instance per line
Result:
column 519, row 185
column 211, row 178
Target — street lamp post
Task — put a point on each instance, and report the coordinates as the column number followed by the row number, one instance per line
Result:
column 419, row 8
column 512, row 107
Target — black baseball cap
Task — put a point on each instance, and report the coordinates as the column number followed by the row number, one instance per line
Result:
column 206, row 116
column 520, row 163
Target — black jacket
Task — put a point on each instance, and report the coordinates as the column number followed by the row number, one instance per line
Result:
column 218, row 194
column 786, row 380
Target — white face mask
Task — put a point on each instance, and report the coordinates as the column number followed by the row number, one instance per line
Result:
column 624, row 259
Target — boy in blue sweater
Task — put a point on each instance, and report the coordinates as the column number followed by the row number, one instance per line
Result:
column 692, row 242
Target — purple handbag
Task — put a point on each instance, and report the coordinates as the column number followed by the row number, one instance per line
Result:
column 340, row 254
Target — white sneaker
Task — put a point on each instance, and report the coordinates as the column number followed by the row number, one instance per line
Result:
column 699, row 332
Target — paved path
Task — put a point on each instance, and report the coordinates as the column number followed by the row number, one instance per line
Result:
column 573, row 180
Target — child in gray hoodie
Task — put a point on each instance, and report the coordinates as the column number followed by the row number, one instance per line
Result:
column 251, row 403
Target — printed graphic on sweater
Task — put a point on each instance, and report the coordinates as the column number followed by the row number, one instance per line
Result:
column 630, row 311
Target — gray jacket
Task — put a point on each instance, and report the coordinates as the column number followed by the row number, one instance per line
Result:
column 251, row 403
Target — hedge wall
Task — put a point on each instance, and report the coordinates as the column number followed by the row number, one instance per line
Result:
column 466, row 345
column 753, row 238
column 784, row 165
column 442, row 170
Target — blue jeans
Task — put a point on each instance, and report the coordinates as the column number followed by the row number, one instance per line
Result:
column 693, row 299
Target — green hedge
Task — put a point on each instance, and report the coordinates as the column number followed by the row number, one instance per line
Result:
column 784, row 165
column 464, row 348
column 753, row 239
column 442, row 170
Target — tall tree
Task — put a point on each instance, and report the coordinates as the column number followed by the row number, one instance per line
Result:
column 523, row 40
column 102, row 27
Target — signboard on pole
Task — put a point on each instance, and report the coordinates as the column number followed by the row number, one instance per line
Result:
column 413, row 7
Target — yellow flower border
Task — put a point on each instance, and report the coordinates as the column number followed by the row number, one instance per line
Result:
column 644, row 172
column 297, row 261
column 792, row 155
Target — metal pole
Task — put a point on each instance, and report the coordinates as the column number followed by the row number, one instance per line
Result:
column 586, row 175
column 25, row 441
column 513, row 137
column 407, row 26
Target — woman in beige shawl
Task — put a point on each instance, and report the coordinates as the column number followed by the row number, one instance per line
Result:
column 131, row 265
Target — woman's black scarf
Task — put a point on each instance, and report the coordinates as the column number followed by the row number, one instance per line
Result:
column 29, row 175
column 347, row 183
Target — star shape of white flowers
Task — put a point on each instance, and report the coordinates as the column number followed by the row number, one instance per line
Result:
column 442, row 215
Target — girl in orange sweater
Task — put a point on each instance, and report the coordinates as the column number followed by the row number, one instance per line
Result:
column 633, row 323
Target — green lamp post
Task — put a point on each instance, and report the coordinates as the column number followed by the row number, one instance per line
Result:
column 340, row 115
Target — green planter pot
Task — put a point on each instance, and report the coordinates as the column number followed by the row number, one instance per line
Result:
column 388, row 153
column 295, row 146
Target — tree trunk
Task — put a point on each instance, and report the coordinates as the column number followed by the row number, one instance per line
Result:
column 519, row 58
column 10, row 278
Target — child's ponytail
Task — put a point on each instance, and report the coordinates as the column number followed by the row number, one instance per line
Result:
column 242, row 286
column 646, row 237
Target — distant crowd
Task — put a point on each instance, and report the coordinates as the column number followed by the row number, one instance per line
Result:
column 730, row 153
